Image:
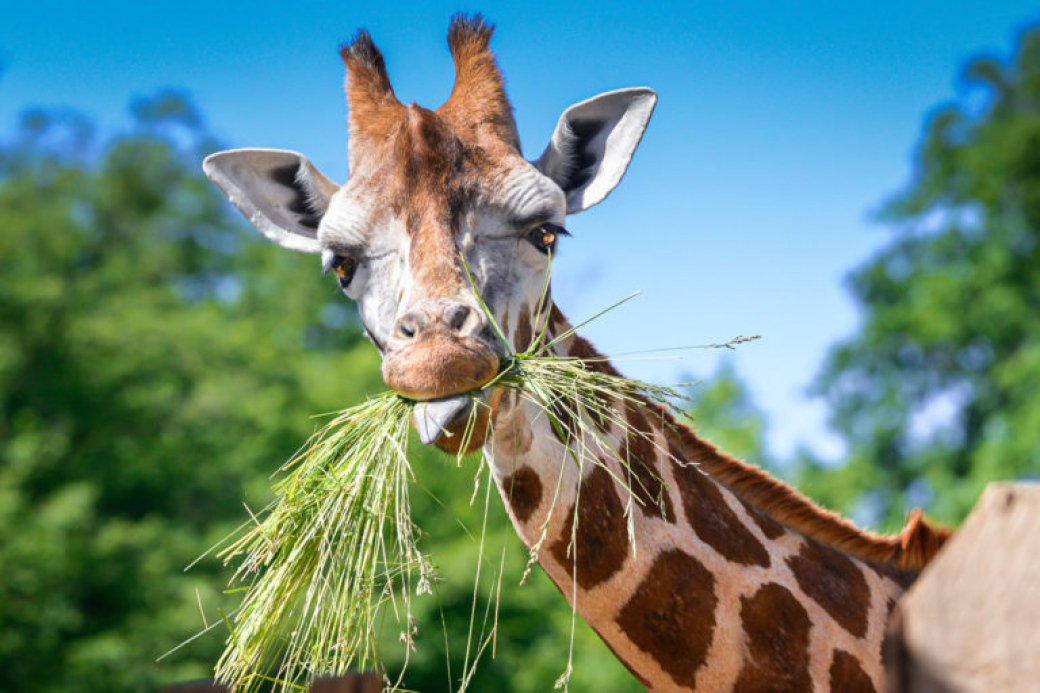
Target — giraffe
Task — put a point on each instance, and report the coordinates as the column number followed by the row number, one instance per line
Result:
column 732, row 581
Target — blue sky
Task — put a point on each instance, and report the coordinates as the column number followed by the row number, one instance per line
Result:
column 780, row 128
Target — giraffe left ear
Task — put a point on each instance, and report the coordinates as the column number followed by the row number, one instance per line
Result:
column 593, row 143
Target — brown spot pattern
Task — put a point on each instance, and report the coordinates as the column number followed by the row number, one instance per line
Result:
column 512, row 431
column 847, row 676
column 833, row 581
column 562, row 421
column 671, row 615
column 714, row 521
column 776, row 628
column 888, row 643
column 601, row 545
column 522, row 336
column 524, row 491
column 770, row 527
column 644, row 475
column 903, row 578
column 582, row 349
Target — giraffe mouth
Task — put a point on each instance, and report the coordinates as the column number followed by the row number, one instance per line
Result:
column 436, row 417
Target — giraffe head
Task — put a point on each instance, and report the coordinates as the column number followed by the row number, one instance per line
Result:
column 440, row 206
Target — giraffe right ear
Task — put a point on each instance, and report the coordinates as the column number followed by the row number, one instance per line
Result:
column 280, row 192
column 593, row 143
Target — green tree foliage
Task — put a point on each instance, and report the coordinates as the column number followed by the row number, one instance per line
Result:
column 155, row 366
column 723, row 411
column 937, row 393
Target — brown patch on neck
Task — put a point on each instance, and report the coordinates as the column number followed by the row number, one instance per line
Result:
column 524, row 492
column 644, row 472
column 600, row 545
column 714, row 521
column 848, row 676
column 563, row 421
column 890, row 645
column 671, row 615
column 582, row 348
column 770, row 527
column 903, row 578
column 777, row 629
column 512, row 431
column 833, row 581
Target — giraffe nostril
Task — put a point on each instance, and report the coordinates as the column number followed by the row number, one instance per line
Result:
column 459, row 317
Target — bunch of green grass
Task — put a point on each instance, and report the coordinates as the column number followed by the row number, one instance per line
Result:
column 337, row 544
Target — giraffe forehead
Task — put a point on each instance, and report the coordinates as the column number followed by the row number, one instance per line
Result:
column 524, row 192
column 366, row 217
column 348, row 222
column 429, row 192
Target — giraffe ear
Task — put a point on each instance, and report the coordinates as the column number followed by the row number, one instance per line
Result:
column 280, row 192
column 593, row 143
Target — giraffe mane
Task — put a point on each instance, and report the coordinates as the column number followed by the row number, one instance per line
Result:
column 911, row 549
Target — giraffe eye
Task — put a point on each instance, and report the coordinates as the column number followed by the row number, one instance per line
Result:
column 544, row 236
column 344, row 267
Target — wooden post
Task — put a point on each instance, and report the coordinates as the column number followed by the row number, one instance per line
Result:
column 971, row 623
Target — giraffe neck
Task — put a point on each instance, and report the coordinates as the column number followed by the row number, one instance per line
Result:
column 708, row 591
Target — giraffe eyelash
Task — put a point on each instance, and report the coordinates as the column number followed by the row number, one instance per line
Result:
column 343, row 265
column 544, row 237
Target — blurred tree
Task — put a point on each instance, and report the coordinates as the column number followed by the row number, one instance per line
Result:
column 937, row 393
column 155, row 366
column 723, row 411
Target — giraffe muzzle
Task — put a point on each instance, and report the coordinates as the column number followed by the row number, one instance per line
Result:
column 437, row 350
column 437, row 367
